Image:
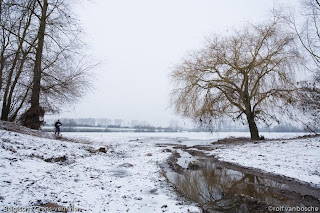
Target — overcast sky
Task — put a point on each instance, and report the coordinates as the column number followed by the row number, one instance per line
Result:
column 140, row 41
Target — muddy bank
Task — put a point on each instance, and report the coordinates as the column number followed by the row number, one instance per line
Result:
column 219, row 186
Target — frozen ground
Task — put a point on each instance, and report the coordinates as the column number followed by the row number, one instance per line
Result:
column 126, row 178
column 298, row 159
column 184, row 138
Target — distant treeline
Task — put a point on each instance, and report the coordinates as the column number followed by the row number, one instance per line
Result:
column 119, row 125
column 109, row 129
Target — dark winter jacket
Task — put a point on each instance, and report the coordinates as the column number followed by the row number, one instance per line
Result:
column 57, row 124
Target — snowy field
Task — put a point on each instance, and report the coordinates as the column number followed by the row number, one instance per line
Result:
column 127, row 177
column 124, row 179
column 299, row 159
column 185, row 138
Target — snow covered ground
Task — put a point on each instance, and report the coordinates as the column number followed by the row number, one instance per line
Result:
column 183, row 138
column 126, row 178
column 299, row 158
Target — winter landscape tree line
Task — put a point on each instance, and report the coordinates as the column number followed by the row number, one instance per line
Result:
column 120, row 125
column 42, row 63
column 252, row 75
column 113, row 125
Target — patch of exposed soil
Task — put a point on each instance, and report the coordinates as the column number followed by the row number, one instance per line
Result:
column 55, row 160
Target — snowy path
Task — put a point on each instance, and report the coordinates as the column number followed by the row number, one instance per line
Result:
column 124, row 179
column 299, row 158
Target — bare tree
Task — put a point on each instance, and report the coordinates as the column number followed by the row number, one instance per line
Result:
column 16, row 49
column 65, row 81
column 32, row 116
column 42, row 62
column 308, row 33
column 245, row 75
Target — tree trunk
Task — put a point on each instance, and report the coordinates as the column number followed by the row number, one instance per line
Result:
column 253, row 127
column 32, row 116
column 1, row 70
column 5, row 107
column 249, row 111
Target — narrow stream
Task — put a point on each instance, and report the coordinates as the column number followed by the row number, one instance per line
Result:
column 219, row 189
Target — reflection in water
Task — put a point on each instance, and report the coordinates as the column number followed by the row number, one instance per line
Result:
column 225, row 190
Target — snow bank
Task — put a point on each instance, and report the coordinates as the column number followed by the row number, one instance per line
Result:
column 126, row 178
column 298, row 158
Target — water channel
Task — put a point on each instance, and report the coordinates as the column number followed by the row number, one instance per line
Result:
column 217, row 188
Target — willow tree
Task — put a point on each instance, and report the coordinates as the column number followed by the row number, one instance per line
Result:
column 243, row 76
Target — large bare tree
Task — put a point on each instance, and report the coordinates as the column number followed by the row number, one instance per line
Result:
column 43, row 66
column 245, row 75
column 16, row 46
column 35, row 112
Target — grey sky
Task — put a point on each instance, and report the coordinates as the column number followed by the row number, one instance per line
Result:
column 140, row 41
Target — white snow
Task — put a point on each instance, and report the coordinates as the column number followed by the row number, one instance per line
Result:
column 125, row 179
column 183, row 138
column 298, row 158
column 128, row 178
